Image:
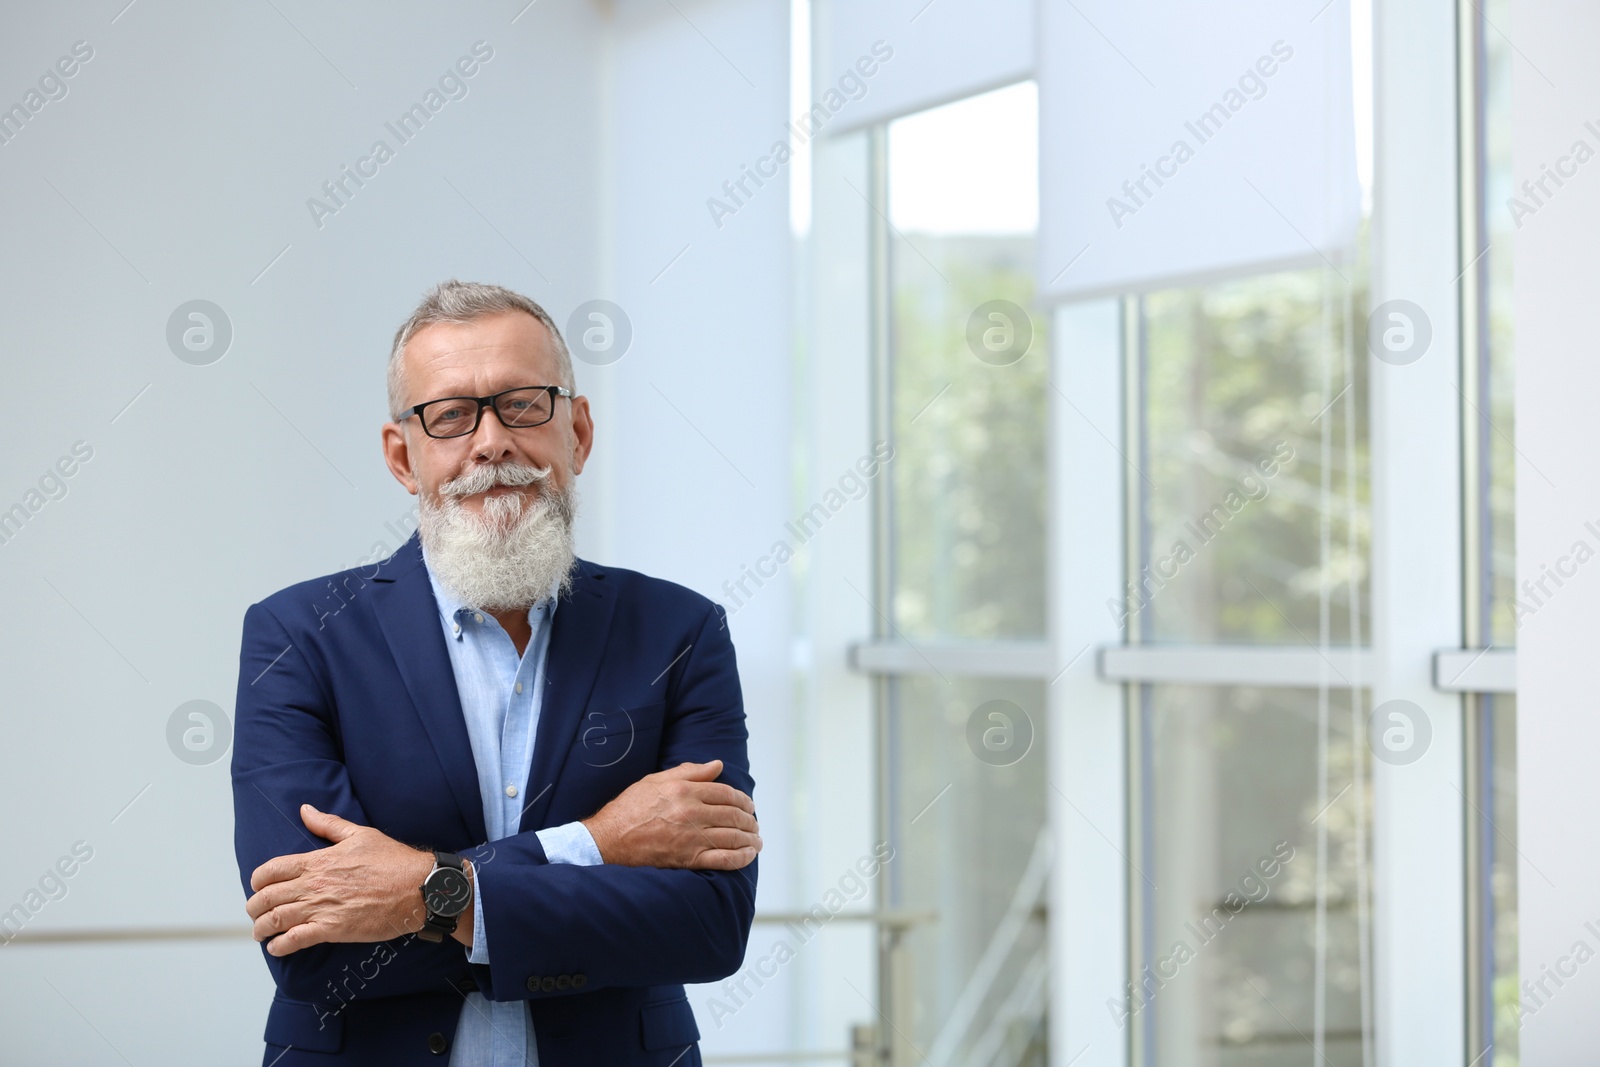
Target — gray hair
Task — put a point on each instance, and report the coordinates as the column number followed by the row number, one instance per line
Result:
column 458, row 301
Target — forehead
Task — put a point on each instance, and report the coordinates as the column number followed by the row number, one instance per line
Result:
column 479, row 357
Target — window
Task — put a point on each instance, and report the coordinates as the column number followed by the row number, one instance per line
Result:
column 970, row 370
column 971, row 855
column 963, row 762
column 1240, row 380
column 1222, row 761
column 1251, row 827
column 1494, row 606
column 1255, row 940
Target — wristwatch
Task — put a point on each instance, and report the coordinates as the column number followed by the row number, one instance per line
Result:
column 446, row 892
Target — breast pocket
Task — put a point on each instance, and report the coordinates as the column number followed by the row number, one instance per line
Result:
column 618, row 736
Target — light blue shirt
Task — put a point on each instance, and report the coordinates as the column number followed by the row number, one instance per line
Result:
column 500, row 699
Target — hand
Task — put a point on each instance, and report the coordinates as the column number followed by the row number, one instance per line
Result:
column 362, row 889
column 682, row 817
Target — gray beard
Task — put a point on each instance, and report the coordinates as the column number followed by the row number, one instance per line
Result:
column 514, row 553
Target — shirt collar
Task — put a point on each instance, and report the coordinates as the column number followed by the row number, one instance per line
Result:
column 451, row 608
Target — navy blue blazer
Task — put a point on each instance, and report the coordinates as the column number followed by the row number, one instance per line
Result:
column 347, row 701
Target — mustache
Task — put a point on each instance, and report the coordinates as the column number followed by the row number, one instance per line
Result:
column 482, row 479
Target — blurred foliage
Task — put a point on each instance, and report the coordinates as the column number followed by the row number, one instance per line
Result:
column 1499, row 837
column 969, row 468
column 1232, row 372
column 1497, row 432
column 1496, row 425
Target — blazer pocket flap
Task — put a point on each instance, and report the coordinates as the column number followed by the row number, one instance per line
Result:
column 668, row 1024
column 301, row 1024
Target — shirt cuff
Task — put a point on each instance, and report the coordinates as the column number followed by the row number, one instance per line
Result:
column 570, row 843
column 480, row 940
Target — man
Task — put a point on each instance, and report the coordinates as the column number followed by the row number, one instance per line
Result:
column 492, row 801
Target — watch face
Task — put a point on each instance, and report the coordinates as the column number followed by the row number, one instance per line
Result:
column 447, row 892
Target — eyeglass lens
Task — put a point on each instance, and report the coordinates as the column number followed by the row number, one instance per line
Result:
column 455, row 416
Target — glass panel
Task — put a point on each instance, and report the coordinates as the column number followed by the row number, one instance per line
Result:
column 964, row 763
column 967, row 813
column 1240, row 381
column 1237, row 969
column 1496, row 424
column 970, row 371
column 1495, row 823
column 1501, row 608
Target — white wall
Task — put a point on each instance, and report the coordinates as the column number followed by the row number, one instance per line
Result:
column 699, row 412
column 1554, row 86
column 837, row 752
column 178, row 167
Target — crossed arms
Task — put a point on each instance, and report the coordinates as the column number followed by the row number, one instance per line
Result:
column 671, row 903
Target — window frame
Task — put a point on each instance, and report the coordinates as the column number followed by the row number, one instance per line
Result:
column 1426, row 946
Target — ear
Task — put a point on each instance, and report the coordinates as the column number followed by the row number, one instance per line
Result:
column 397, row 454
column 582, row 433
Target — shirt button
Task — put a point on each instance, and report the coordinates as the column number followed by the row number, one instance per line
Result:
column 456, row 626
column 511, row 790
column 519, row 687
column 478, row 617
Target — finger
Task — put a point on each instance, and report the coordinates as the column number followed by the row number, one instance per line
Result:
column 296, row 938
column 709, row 815
column 693, row 772
column 716, row 859
column 278, row 869
column 718, row 793
column 728, row 839
column 270, row 897
column 279, row 920
column 327, row 825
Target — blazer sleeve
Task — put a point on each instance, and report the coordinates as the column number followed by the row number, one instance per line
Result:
column 286, row 753
column 629, row 926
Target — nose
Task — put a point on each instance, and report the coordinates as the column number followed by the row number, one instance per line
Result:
column 491, row 441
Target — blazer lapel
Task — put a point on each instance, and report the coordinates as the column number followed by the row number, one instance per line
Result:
column 577, row 644
column 409, row 617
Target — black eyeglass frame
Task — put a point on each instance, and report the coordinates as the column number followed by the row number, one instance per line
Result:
column 482, row 402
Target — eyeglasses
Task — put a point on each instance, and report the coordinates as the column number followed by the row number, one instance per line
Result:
column 517, row 409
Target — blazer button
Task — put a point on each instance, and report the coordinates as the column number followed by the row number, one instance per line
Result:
column 533, row 983
column 563, row 981
column 578, row 980
column 437, row 1043
column 467, row 985
column 548, row 984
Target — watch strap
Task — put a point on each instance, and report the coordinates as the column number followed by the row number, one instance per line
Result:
column 437, row 927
